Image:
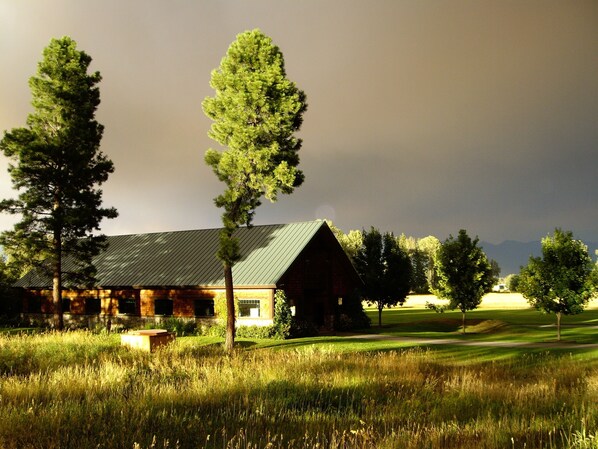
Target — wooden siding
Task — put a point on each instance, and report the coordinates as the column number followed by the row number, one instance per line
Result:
column 318, row 278
column 183, row 300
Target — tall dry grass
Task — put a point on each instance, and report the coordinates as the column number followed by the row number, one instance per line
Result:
column 79, row 390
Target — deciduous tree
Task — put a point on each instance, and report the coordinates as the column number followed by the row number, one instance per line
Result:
column 561, row 281
column 57, row 167
column 419, row 263
column 463, row 272
column 256, row 112
column 385, row 270
column 429, row 247
column 350, row 242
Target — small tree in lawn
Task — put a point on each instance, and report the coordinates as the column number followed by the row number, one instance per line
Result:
column 385, row 270
column 562, row 280
column 256, row 112
column 57, row 166
column 463, row 272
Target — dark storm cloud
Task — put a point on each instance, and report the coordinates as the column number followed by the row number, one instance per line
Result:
column 424, row 117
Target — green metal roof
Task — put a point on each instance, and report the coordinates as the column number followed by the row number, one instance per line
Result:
column 188, row 258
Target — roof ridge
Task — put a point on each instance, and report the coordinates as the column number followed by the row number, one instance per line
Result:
column 213, row 229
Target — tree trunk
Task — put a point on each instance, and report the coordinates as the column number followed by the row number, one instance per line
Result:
column 463, row 321
column 57, row 284
column 230, row 308
column 380, row 316
column 558, row 326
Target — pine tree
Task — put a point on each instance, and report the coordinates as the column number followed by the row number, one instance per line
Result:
column 56, row 168
column 256, row 111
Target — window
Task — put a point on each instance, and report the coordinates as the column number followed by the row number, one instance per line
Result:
column 35, row 304
column 93, row 306
column 204, row 307
column 163, row 307
column 249, row 308
column 127, row 306
column 66, row 305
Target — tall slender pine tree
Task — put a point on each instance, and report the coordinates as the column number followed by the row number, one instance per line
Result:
column 57, row 167
column 256, row 112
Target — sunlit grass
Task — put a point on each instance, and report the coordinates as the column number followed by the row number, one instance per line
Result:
column 522, row 325
column 86, row 391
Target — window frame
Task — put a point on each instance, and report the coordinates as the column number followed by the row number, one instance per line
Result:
column 208, row 305
column 128, row 300
column 245, row 307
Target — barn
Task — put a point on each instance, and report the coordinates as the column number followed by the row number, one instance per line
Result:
column 145, row 278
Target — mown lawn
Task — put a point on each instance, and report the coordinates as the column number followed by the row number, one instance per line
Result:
column 486, row 324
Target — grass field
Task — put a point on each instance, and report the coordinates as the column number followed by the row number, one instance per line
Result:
column 83, row 390
column 503, row 318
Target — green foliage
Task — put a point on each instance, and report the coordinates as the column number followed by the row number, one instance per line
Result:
column 561, row 281
column 512, row 282
column 220, row 308
column 419, row 280
column 421, row 253
column 464, row 273
column 212, row 329
column 56, row 166
column 10, row 301
column 350, row 242
column 429, row 247
column 256, row 111
column 254, row 331
column 495, row 268
column 303, row 328
column 352, row 316
column 385, row 270
column 179, row 326
column 283, row 317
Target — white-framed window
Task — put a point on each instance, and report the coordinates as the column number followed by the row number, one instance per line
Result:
column 249, row 308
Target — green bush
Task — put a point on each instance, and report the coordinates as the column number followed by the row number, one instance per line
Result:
column 352, row 316
column 254, row 331
column 179, row 326
column 303, row 328
column 212, row 330
column 220, row 307
column 283, row 317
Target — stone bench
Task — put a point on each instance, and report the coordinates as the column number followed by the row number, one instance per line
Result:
column 147, row 340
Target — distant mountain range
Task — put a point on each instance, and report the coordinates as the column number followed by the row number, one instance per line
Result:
column 512, row 255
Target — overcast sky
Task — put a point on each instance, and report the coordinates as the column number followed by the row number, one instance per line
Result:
column 424, row 117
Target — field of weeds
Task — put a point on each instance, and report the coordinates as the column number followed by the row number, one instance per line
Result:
column 83, row 390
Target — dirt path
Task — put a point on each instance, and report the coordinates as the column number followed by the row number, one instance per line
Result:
column 490, row 344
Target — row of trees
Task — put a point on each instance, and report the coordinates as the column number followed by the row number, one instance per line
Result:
column 561, row 281
column 392, row 267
